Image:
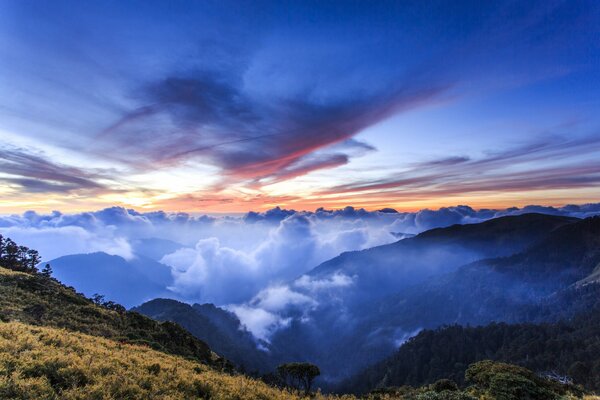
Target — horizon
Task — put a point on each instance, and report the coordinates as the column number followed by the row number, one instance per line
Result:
column 142, row 211
column 225, row 107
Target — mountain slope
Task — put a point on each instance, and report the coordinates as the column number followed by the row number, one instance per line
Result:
column 127, row 282
column 41, row 301
column 155, row 248
column 50, row 363
column 215, row 326
column 490, row 290
column 570, row 349
column 364, row 321
column 531, row 286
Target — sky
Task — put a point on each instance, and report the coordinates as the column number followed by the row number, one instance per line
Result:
column 225, row 107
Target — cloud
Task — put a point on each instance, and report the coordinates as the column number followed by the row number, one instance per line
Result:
column 34, row 173
column 209, row 272
column 500, row 171
column 56, row 242
column 278, row 298
column 213, row 117
column 337, row 280
column 255, row 263
column 261, row 323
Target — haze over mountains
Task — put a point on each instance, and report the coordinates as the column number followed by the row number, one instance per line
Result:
column 347, row 312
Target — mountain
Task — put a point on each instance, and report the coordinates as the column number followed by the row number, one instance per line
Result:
column 56, row 343
column 37, row 300
column 387, row 269
column 569, row 349
column 367, row 318
column 498, row 289
column 155, row 248
column 219, row 328
column 127, row 282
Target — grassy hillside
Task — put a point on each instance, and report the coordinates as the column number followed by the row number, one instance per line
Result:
column 37, row 300
column 50, row 363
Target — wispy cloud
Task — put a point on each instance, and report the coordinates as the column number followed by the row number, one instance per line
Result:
column 555, row 162
column 36, row 173
column 212, row 118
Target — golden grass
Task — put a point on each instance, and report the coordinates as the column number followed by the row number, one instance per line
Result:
column 6, row 271
column 49, row 363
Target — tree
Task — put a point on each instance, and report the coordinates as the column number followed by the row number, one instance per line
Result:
column 299, row 375
column 18, row 258
column 98, row 298
column 47, row 271
column 32, row 259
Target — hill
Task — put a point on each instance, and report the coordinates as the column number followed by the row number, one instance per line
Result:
column 569, row 349
column 57, row 344
column 219, row 328
column 127, row 282
column 38, row 300
column 51, row 363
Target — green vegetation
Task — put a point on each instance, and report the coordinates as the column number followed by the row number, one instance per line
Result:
column 568, row 350
column 299, row 376
column 17, row 258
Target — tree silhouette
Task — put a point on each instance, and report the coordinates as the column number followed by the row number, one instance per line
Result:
column 46, row 271
column 298, row 375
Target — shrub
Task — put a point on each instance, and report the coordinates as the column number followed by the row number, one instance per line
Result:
column 444, row 384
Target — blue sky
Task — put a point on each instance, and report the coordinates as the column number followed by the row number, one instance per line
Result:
column 230, row 106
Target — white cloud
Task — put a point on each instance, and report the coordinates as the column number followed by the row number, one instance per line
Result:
column 248, row 260
column 337, row 280
column 260, row 322
column 278, row 298
column 55, row 242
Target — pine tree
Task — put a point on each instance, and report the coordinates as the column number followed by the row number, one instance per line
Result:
column 47, row 271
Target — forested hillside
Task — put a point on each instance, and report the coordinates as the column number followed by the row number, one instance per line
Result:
column 570, row 350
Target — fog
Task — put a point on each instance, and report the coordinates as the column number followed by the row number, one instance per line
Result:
column 254, row 264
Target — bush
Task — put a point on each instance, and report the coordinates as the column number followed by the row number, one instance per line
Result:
column 154, row 369
column 510, row 382
column 444, row 384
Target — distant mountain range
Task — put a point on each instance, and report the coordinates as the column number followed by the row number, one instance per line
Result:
column 406, row 286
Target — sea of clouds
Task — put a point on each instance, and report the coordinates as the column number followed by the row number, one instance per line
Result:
column 245, row 262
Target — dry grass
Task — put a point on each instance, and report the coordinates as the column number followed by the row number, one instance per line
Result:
column 48, row 363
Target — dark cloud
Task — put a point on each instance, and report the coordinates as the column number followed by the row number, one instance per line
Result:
column 37, row 174
column 211, row 117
